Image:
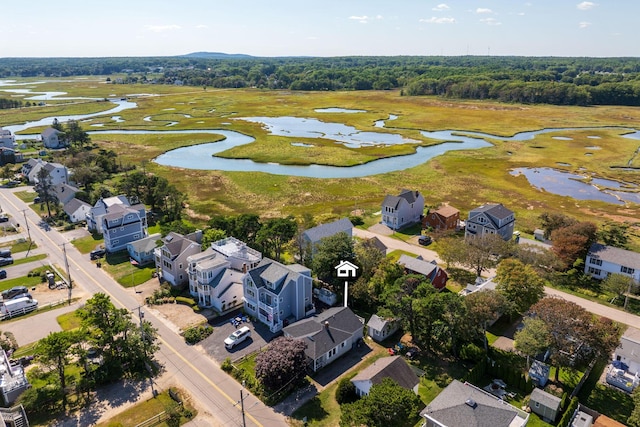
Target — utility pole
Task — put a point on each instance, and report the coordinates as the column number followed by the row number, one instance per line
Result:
column 66, row 263
column 244, row 422
column 26, row 223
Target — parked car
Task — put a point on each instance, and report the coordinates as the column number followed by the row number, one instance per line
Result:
column 5, row 253
column 3, row 274
column 37, row 200
column 13, row 292
column 6, row 261
column 4, row 218
column 425, row 240
column 237, row 337
column 97, row 253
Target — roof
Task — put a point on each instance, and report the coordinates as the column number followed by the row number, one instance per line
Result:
column 545, row 399
column 417, row 265
column 615, row 255
column 326, row 330
column 270, row 271
column 176, row 244
column 632, row 334
column 408, row 195
column 146, row 244
column 462, row 404
column 393, row 367
column 496, row 210
column 378, row 244
column 319, row 232
column 446, row 211
column 376, row 322
column 73, row 205
column 50, row 131
column 604, row 421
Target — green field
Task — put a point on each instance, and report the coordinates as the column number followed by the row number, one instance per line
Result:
column 463, row 179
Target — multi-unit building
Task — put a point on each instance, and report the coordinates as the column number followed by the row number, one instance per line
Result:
column 491, row 218
column 217, row 274
column 278, row 294
column 123, row 224
column 171, row 257
column 101, row 208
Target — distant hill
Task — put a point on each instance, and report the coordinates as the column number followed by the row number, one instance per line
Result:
column 217, row 55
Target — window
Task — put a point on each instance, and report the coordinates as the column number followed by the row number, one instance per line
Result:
column 627, row 270
column 136, row 236
column 595, row 261
column 537, row 404
column 595, row 271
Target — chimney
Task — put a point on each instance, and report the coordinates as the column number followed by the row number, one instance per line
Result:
column 244, row 267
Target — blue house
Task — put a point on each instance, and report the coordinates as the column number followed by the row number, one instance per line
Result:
column 123, row 224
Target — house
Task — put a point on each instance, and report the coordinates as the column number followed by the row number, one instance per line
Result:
column 64, row 192
column 30, row 169
column 7, row 139
column 546, row 405
column 428, row 269
column 9, row 156
column 216, row 275
column 444, row 218
column 171, row 257
column 479, row 285
column 76, row 210
column 312, row 237
column 491, row 218
column 58, row 174
column 539, row 373
column 142, row 251
column 13, row 380
column 393, row 367
column 15, row 416
column 582, row 419
column 123, row 224
column 378, row 244
column 51, row 138
column 463, row 404
column 404, row 209
column 277, row 294
column 327, row 335
column 628, row 352
column 603, row 260
column 101, row 208
column 380, row 329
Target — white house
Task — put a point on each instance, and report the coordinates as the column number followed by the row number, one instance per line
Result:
column 404, row 209
column 7, row 139
column 628, row 352
column 217, row 274
column 393, row 367
column 64, row 192
column 171, row 257
column 327, row 336
column 380, row 329
column 58, row 174
column 492, row 218
column 51, row 138
column 603, row 260
column 76, row 210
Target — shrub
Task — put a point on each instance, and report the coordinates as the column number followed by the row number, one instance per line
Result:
column 471, row 353
column 197, row 333
column 227, row 366
column 346, row 392
column 185, row 301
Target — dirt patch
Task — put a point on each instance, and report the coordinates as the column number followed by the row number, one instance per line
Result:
column 180, row 315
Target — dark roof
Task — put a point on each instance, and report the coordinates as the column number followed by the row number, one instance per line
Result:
column 146, row 244
column 378, row 244
column 416, row 265
column 270, row 271
column 464, row 405
column 615, row 255
column 73, row 205
column 319, row 232
column 324, row 331
column 393, row 367
column 50, row 131
column 176, row 244
column 393, row 201
column 495, row 210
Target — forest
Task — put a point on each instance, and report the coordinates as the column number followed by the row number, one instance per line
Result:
column 529, row 80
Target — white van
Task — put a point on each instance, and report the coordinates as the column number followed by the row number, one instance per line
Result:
column 237, row 337
column 18, row 306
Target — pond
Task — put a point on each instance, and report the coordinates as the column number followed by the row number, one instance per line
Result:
column 579, row 187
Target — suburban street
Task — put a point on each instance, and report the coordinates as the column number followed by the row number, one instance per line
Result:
column 188, row 367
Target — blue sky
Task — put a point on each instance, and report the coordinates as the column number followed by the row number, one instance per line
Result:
column 81, row 28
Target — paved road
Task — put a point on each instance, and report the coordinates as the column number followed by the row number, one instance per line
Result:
column 190, row 368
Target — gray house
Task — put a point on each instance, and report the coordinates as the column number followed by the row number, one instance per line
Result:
column 13, row 380
column 492, row 218
column 313, row 236
column 101, row 208
column 64, row 192
column 327, row 336
column 123, row 224
column 393, row 367
column 171, row 257
column 546, row 405
column 402, row 210
column 142, row 251
column 51, row 138
column 380, row 329
column 463, row 404
column 278, row 294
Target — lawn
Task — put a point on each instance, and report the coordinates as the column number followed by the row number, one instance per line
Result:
column 144, row 411
column 118, row 265
column 88, row 243
column 69, row 321
column 18, row 261
column 27, row 281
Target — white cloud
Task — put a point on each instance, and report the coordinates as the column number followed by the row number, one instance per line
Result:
column 435, row 20
column 162, row 28
column 483, row 10
column 365, row 19
column 586, row 5
column 490, row 21
column 584, row 24
column 441, row 7
column 202, row 26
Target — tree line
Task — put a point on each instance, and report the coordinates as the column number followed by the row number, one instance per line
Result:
column 550, row 80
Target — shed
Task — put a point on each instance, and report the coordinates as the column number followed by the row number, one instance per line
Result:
column 539, row 373
column 545, row 405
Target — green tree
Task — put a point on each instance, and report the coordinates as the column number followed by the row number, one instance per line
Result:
column 614, row 234
column 519, row 284
column 484, row 252
column 452, row 250
column 533, row 338
column 275, row 234
column 483, row 309
column 330, row 251
column 553, row 221
column 245, row 227
column 634, row 418
column 56, row 349
column 386, row 405
column 619, row 284
column 45, row 189
column 211, row 235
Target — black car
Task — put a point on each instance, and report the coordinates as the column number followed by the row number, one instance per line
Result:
column 4, row 218
column 97, row 254
column 3, row 274
column 5, row 253
column 14, row 292
column 37, row 200
column 425, row 240
column 6, row 261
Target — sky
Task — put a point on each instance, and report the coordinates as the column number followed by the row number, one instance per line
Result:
column 98, row 28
